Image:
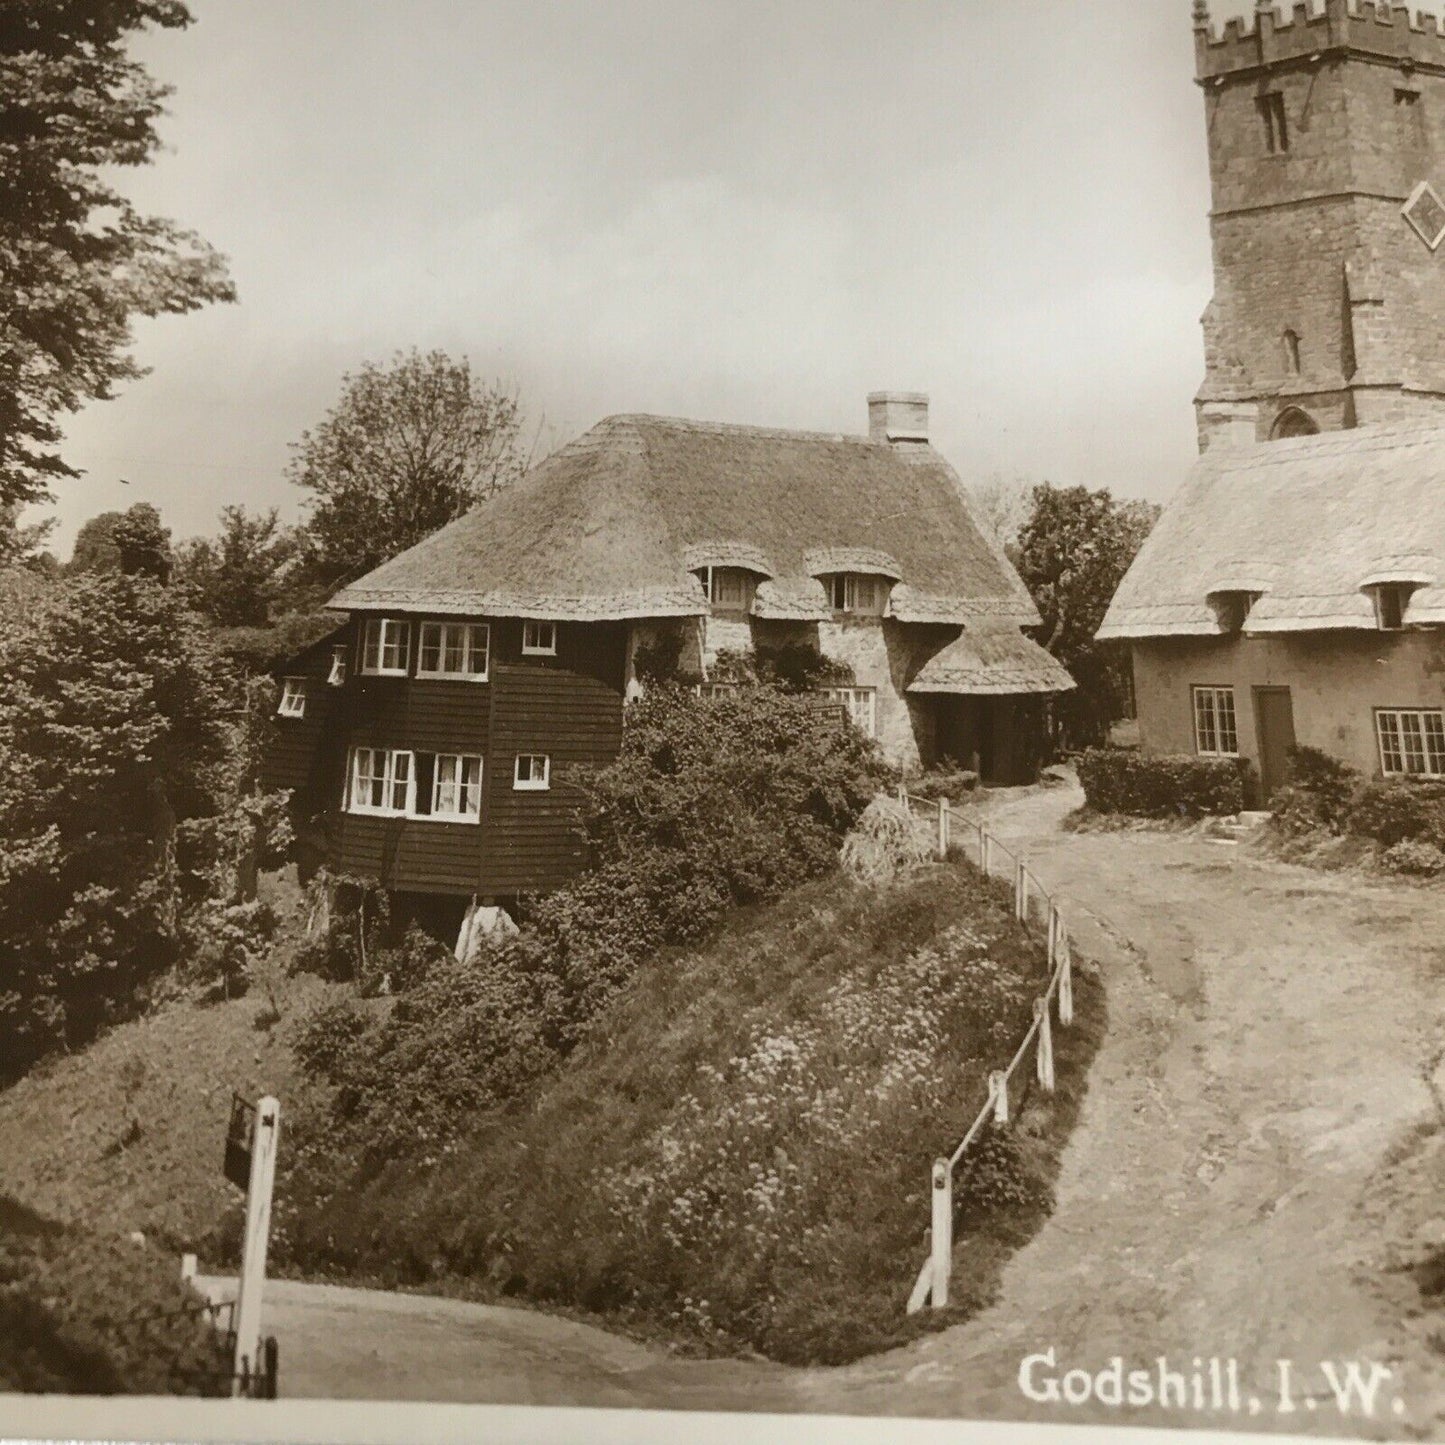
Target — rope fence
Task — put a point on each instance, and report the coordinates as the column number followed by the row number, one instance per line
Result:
column 1032, row 903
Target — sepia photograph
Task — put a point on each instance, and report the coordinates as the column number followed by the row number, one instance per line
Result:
column 723, row 717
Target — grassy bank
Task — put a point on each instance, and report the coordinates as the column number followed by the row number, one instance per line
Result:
column 98, row 1315
column 737, row 1158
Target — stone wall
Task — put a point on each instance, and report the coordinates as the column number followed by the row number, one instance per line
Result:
column 1336, row 681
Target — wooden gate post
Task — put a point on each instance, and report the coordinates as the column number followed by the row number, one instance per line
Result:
column 1044, row 1055
column 998, row 1087
column 943, row 821
column 942, row 1231
column 1066, row 981
column 247, row 1319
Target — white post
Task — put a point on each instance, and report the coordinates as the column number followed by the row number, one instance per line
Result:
column 942, row 1231
column 1053, row 935
column 1044, row 1055
column 1021, row 891
column 943, row 827
column 188, row 1268
column 985, row 851
column 998, row 1087
column 247, row 1320
column 1066, row 981
column 903, row 794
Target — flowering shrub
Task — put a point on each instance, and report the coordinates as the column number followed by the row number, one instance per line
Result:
column 1415, row 857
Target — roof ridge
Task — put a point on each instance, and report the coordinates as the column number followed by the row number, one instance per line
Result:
column 731, row 428
column 1379, row 436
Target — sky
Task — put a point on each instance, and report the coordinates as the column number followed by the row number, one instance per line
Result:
column 732, row 211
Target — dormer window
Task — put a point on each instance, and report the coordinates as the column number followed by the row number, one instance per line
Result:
column 1233, row 608
column 731, row 589
column 860, row 593
column 1390, row 600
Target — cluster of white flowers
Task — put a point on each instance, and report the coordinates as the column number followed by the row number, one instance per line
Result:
column 761, row 1145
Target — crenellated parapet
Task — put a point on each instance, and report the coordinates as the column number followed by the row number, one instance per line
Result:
column 1313, row 28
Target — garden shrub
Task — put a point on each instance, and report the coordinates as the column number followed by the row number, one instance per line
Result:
column 326, row 1040
column 98, row 1315
column 1116, row 780
column 947, row 780
column 224, row 942
column 1415, row 857
column 1392, row 810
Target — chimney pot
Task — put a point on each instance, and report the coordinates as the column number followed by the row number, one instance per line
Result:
column 898, row 416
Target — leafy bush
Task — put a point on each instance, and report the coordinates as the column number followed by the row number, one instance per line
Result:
column 1392, row 810
column 1415, row 857
column 1318, row 795
column 1116, row 780
column 325, row 1043
column 88, row 1314
column 945, row 781
column 354, row 916
column 225, row 941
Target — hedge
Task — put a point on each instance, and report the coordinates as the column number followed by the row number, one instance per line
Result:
column 1121, row 780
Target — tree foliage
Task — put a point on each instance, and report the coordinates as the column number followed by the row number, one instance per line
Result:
column 236, row 578
column 1072, row 553
column 406, row 449
column 77, row 261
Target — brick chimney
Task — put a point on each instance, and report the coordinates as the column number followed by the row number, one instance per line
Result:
column 898, row 416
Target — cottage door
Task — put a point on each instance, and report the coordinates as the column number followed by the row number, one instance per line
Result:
column 1274, row 721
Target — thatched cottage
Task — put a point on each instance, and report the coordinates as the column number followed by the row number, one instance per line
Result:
column 1295, row 592
column 436, row 730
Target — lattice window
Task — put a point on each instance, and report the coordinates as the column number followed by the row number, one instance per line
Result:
column 861, row 703
column 1215, row 732
column 1412, row 741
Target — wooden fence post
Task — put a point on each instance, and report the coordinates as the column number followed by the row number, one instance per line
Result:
column 1066, row 981
column 1044, row 1055
column 985, row 850
column 942, row 1231
column 903, row 794
column 943, row 821
column 247, row 1318
column 188, row 1268
column 998, row 1087
column 1021, row 891
column 1053, row 935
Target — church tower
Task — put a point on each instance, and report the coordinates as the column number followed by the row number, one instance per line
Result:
column 1327, row 163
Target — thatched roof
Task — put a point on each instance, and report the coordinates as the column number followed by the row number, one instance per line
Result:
column 614, row 525
column 992, row 659
column 1309, row 524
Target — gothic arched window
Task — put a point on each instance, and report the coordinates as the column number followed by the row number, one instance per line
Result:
column 1292, row 422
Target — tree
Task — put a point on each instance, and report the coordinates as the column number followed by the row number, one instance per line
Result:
column 237, row 577
column 407, row 449
column 1072, row 553
column 132, row 542
column 115, row 727
column 77, row 261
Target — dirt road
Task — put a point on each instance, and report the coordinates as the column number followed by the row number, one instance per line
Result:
column 1271, row 1033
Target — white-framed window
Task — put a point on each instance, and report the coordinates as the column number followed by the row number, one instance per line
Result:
column 1215, row 731
column 862, row 705
column 453, row 649
column 855, row 592
column 731, row 589
column 382, row 782
column 539, row 639
column 337, row 676
column 1412, row 741
column 386, row 647
column 293, row 698
column 533, row 772
column 1390, row 599
column 456, row 794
